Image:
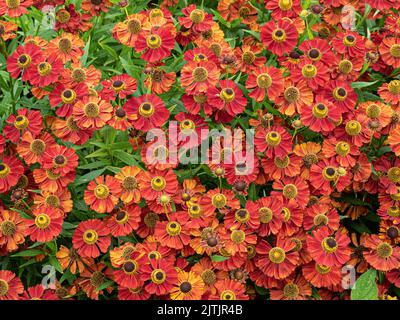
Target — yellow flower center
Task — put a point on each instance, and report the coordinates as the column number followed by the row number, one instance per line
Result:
column 158, row 276
column 44, row 69
column 122, row 217
column 290, row 191
column 227, row 94
column 277, row 255
column 273, row 138
column 130, row 267
column 384, row 250
column 242, row 215
column 238, row 236
column 248, row 57
column 286, row 214
column 146, row 109
column 91, row 110
column 342, row 148
column 320, row 111
column 340, row 94
column 282, row 162
column 4, row 170
column 393, row 211
column 322, row 269
column 291, row 94
column 63, row 16
column 173, row 228
column 266, row 214
column 329, row 245
column 349, row 40
column 187, row 124
column 90, row 236
column 101, row 191
column 395, row 50
column 200, row 74
column 320, row 220
column 394, row 174
column 227, row 295
column 153, row 41
column 394, row 87
column 264, row 80
column 197, row 16
column 329, row 173
column 52, row 201
column 279, row 35
column 158, row 183
column 68, row 96
column 285, row 4
column 134, row 26
column 13, row 4
column 8, row 228
column 219, row 200
column 21, row 122
column 42, row 221
column 194, row 211
column 373, row 111
column 3, row 287
column 291, row 291
column 24, row 60
column 345, row 66
column 353, row 128
column 129, row 183
column 309, row 71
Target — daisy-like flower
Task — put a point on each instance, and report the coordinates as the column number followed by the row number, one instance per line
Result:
column 25, row 120
column 237, row 240
column 327, row 248
column 53, row 182
column 228, row 98
column 11, row 170
column 322, row 116
column 79, row 75
column 380, row 254
column 146, row 112
column 11, row 286
column 173, row 233
column 294, row 98
column 394, row 140
column 68, row 130
column 247, row 58
column 269, row 211
column 60, row 200
column 90, row 238
column 284, row 8
column 128, row 275
column 315, row 74
column 243, row 216
column 349, row 42
column 60, row 159
column 155, row 44
column 292, row 289
column 68, row 47
column 122, row 86
column 14, row 8
column 157, row 183
column 124, row 220
column 189, row 286
column 390, row 92
column 92, row 113
column 96, row 7
column 322, row 276
column 294, row 190
column 279, row 167
column 310, row 152
column 275, row 141
column 198, row 77
column 228, row 289
column 46, row 225
column 7, row 30
column 23, row 57
column 266, row 82
column 319, row 215
column 158, row 79
column 318, row 50
column 46, row 71
column 127, row 31
column 160, row 276
column 39, row 292
column 70, row 260
column 278, row 261
column 279, row 37
column 221, row 200
column 345, row 153
column 342, row 95
column 196, row 19
column 93, row 277
column 13, row 230
column 102, row 194
column 129, row 184
column 66, row 97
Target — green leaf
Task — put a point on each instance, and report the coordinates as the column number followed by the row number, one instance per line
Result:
column 28, row 253
column 218, row 258
column 358, row 85
column 105, row 285
column 55, row 263
column 88, row 176
column 365, row 287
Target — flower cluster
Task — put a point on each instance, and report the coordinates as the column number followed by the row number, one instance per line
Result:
column 318, row 82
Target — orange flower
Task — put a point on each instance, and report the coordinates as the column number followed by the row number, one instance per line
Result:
column 129, row 185
column 68, row 47
column 102, row 194
column 189, row 286
column 92, row 113
column 13, row 230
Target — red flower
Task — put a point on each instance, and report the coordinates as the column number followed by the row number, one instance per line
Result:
column 102, row 194
column 199, row 77
column 10, row 171
column 146, row 112
column 46, row 225
column 157, row 183
column 173, row 233
column 279, row 37
column 322, row 276
column 278, row 261
column 60, row 159
column 329, row 249
column 351, row 43
column 266, row 82
column 196, row 19
column 294, row 190
column 25, row 120
column 46, row 71
column 129, row 273
column 90, row 238
column 275, row 142
column 14, row 8
column 11, row 286
column 155, row 44
column 122, row 86
column 380, row 254
column 228, row 289
column 23, row 57
column 124, row 220
column 161, row 276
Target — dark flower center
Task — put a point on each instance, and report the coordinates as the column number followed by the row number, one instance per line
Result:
column 185, row 287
